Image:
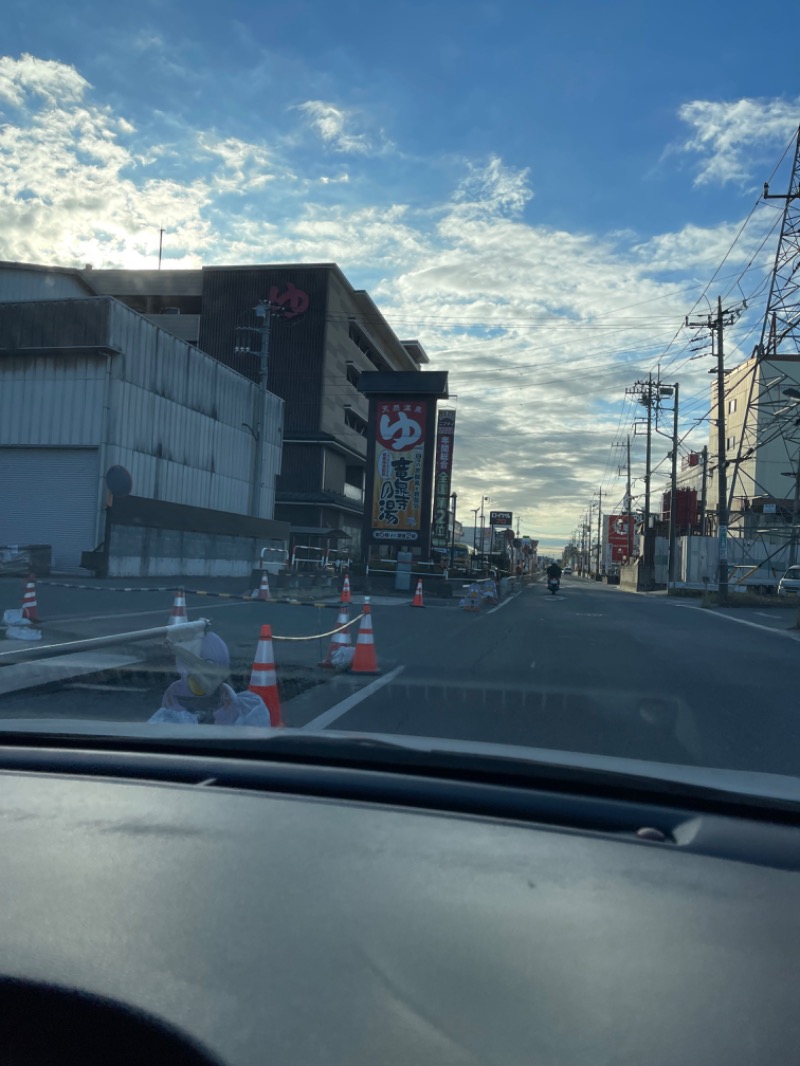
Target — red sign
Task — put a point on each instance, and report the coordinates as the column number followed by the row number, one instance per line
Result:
column 293, row 300
column 399, row 457
column 619, row 540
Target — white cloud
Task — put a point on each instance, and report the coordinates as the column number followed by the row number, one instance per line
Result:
column 732, row 138
column 494, row 187
column 335, row 126
column 54, row 83
column 540, row 328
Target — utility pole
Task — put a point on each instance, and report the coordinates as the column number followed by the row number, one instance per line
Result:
column 628, row 497
column 704, row 492
column 717, row 325
column 599, row 516
column 648, row 393
column 629, row 500
column 673, row 498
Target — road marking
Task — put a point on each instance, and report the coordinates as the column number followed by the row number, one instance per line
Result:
column 753, row 625
column 533, row 665
column 587, row 614
column 505, row 603
column 338, row 709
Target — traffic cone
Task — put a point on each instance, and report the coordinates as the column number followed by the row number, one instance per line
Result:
column 365, row 661
column 178, row 613
column 338, row 640
column 263, row 591
column 417, row 601
column 30, row 609
column 263, row 679
column 345, row 590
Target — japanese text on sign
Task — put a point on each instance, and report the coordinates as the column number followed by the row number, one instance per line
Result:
column 399, row 452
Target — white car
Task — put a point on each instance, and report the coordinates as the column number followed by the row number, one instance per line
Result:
column 567, row 570
column 789, row 584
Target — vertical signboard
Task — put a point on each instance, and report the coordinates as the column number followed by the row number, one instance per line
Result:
column 400, row 429
column 445, row 431
column 618, row 538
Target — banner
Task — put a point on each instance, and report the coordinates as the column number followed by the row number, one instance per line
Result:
column 445, row 432
column 397, row 496
column 617, row 537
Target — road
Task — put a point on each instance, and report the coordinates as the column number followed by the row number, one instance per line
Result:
column 591, row 669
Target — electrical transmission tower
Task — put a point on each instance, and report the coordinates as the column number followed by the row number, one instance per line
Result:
column 765, row 417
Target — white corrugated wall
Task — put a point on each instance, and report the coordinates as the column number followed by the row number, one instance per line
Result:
column 177, row 421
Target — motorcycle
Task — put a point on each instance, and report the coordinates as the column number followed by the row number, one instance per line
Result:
column 553, row 584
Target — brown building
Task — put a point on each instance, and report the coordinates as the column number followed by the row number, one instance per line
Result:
column 323, row 334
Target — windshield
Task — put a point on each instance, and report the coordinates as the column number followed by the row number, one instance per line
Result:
column 430, row 373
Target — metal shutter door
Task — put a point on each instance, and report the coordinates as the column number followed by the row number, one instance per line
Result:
column 49, row 496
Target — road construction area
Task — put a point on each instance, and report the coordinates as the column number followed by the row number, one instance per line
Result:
column 592, row 669
column 124, row 682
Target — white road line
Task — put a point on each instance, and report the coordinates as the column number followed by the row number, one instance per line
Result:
column 533, row 665
column 505, row 603
column 331, row 715
column 753, row 625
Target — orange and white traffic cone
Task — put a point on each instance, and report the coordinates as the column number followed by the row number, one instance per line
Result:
column 30, row 608
column 417, row 601
column 345, row 590
column 178, row 613
column 263, row 591
column 263, row 679
column 338, row 640
column 365, row 660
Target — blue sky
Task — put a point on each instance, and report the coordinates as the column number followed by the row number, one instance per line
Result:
column 538, row 191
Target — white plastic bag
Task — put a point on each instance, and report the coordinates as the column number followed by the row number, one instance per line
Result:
column 18, row 627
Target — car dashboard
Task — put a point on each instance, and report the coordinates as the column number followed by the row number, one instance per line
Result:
column 199, row 908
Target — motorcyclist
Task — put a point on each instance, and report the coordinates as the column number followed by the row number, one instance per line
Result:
column 201, row 696
column 554, row 571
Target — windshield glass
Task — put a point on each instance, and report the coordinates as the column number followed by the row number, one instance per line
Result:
column 427, row 373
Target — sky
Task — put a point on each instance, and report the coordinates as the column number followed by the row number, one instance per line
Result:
column 539, row 192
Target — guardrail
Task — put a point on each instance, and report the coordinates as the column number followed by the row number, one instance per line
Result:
column 51, row 651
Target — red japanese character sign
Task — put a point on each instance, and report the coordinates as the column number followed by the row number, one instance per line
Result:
column 399, row 453
column 293, row 300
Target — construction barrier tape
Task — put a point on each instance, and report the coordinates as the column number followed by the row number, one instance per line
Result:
column 319, row 636
column 191, row 592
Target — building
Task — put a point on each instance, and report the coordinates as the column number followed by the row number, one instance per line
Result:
column 323, row 334
column 87, row 385
column 762, row 443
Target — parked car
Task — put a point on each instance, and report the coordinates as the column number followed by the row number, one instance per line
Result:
column 789, row 584
column 567, row 570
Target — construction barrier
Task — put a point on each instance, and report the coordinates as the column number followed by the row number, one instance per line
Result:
column 478, row 593
column 365, row 660
column 263, row 678
column 178, row 613
column 189, row 592
column 339, row 654
column 30, row 609
column 262, row 592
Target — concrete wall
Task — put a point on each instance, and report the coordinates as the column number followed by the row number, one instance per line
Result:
column 144, row 552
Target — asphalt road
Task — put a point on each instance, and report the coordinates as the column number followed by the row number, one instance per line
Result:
column 592, row 669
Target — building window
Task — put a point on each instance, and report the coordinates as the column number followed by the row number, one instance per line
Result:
column 353, row 374
column 732, row 406
column 730, row 443
column 355, row 421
